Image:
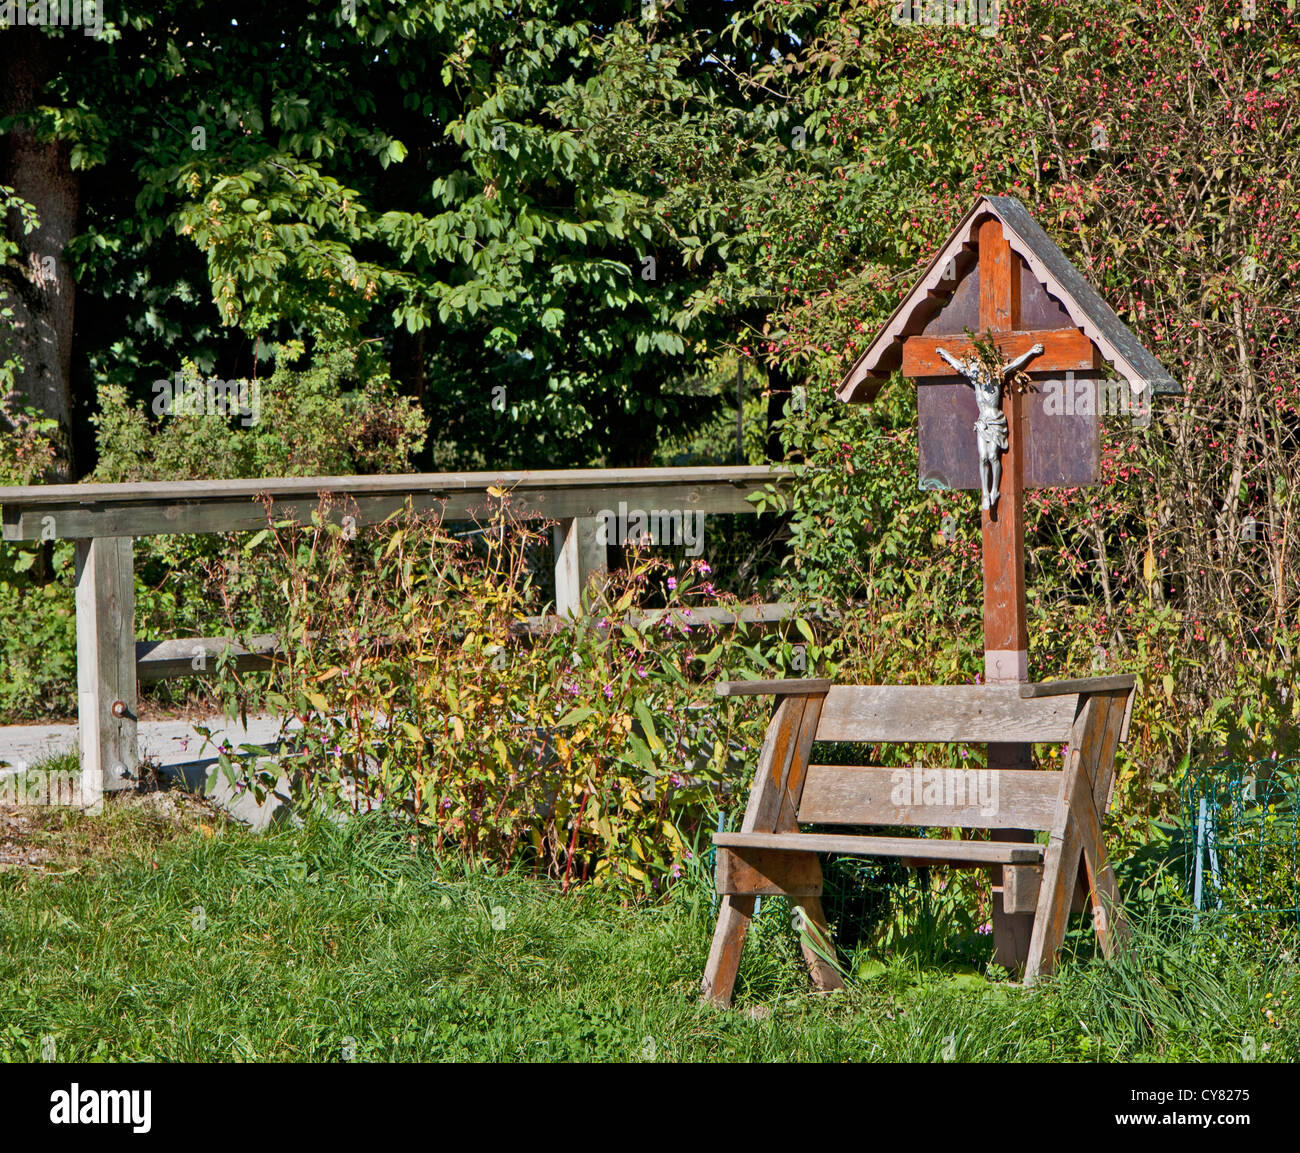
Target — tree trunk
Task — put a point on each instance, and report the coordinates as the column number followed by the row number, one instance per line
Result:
column 40, row 289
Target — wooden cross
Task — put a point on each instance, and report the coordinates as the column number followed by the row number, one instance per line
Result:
column 1048, row 445
column 1006, row 626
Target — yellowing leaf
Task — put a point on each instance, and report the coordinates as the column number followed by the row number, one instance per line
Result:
column 1149, row 566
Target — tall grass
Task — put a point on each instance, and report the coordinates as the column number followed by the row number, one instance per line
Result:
column 354, row 941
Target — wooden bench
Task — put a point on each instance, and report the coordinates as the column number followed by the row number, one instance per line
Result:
column 770, row 855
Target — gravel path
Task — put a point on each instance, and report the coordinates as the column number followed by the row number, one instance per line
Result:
column 174, row 745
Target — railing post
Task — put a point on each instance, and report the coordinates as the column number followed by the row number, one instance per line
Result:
column 106, row 689
column 579, row 553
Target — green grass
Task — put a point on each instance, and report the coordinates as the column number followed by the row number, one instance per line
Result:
column 175, row 942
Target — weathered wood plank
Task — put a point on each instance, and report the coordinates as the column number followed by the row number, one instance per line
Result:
column 735, row 912
column 1061, row 865
column 166, row 492
column 792, row 786
column 194, row 656
column 762, row 872
column 922, row 849
column 71, row 511
column 764, row 806
column 938, row 798
column 815, row 939
column 1107, row 914
column 1064, row 350
column 580, row 554
column 974, row 713
column 106, row 684
column 1074, row 687
column 797, row 686
column 1020, row 888
column 58, row 521
column 719, row 981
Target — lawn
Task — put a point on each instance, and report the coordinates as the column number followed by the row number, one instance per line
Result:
column 160, row 931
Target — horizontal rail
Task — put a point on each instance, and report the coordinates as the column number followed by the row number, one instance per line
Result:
column 188, row 657
column 940, row 797
column 793, row 687
column 196, row 656
column 663, row 505
column 78, row 511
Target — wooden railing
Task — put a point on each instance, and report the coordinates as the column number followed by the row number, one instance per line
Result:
column 105, row 519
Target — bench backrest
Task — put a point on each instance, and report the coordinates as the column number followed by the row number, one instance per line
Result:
column 941, row 798
column 939, row 713
column 976, row 798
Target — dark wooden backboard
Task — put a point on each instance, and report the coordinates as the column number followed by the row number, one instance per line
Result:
column 1062, row 445
column 1062, row 448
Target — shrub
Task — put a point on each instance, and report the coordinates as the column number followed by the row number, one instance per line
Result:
column 593, row 751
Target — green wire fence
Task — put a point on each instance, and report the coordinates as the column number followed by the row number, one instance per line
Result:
column 1242, row 844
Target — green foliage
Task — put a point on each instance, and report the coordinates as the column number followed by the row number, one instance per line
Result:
column 39, row 659
column 583, row 751
column 12, row 208
column 337, row 417
column 27, row 440
column 364, row 945
column 1247, row 839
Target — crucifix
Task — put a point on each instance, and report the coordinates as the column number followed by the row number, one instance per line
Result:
column 1000, row 276
column 991, row 425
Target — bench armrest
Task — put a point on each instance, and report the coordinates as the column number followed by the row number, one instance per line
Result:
column 799, row 686
column 1085, row 685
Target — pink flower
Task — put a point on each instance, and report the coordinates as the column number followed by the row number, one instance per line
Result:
column 672, row 584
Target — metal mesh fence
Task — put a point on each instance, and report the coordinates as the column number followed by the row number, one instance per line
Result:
column 1242, row 855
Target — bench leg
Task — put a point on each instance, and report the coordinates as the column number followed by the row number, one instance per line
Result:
column 1103, row 893
column 1012, row 932
column 825, row 976
column 1089, row 769
column 1060, row 872
column 734, row 916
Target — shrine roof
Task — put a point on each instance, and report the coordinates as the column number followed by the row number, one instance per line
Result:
column 1085, row 307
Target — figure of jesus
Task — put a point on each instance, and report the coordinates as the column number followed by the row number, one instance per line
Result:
column 991, row 425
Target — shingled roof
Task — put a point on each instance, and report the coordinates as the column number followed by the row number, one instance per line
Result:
column 1086, row 309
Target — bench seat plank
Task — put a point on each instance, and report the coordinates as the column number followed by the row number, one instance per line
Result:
column 917, row 848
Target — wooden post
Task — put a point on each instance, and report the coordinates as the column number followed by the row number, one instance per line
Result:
column 1006, row 624
column 106, row 687
column 579, row 553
